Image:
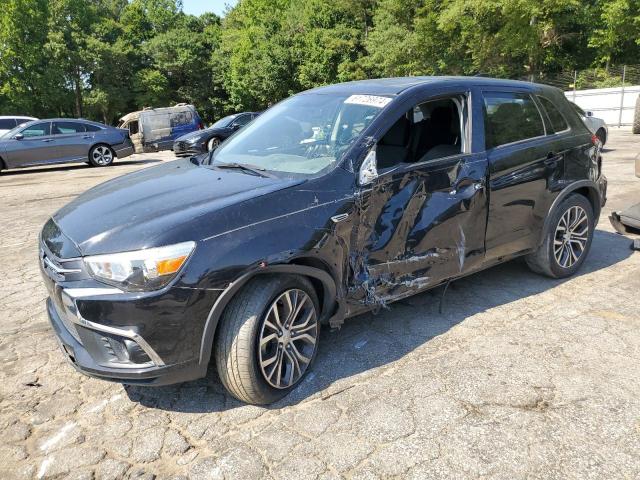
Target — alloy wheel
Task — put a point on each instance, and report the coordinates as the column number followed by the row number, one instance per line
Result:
column 288, row 338
column 102, row 155
column 572, row 235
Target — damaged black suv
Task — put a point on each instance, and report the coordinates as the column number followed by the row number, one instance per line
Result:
column 333, row 202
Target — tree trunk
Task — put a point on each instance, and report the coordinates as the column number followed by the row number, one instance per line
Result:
column 78, row 93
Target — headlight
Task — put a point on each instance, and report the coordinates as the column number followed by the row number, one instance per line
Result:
column 149, row 269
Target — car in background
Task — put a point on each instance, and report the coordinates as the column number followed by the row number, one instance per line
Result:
column 597, row 125
column 10, row 122
column 155, row 129
column 63, row 140
column 207, row 140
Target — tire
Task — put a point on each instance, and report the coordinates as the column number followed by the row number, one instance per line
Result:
column 246, row 341
column 636, row 117
column 213, row 143
column 545, row 261
column 602, row 136
column 101, row 155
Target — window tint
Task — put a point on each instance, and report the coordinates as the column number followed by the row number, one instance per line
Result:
column 510, row 117
column 7, row 123
column 557, row 120
column 92, row 128
column 242, row 120
column 134, row 127
column 428, row 131
column 65, row 128
column 37, row 130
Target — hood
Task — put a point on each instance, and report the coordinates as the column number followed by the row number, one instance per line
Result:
column 191, row 135
column 206, row 133
column 174, row 202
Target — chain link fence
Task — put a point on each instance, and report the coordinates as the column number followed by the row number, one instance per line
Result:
column 610, row 94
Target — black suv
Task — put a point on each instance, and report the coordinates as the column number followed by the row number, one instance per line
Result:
column 336, row 201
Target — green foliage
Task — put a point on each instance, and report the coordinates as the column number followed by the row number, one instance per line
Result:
column 104, row 58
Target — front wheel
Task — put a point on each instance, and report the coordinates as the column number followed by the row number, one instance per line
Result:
column 568, row 240
column 101, row 156
column 268, row 338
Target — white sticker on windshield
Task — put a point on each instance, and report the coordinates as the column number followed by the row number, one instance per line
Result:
column 368, row 100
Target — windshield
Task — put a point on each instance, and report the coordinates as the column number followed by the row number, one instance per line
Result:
column 223, row 122
column 303, row 135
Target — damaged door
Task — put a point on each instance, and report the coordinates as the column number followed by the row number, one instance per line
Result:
column 423, row 219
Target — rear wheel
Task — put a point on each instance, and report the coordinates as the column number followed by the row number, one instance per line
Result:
column 568, row 240
column 268, row 338
column 101, row 155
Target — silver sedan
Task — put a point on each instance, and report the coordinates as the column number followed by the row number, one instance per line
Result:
column 61, row 140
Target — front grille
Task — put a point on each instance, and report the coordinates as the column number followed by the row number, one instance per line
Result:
column 179, row 147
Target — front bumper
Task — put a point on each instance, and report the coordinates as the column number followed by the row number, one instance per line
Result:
column 151, row 338
column 84, row 361
column 188, row 149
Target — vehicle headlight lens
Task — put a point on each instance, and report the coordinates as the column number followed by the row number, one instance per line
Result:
column 149, row 269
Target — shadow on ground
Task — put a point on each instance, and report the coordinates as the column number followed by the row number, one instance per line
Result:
column 369, row 341
column 70, row 167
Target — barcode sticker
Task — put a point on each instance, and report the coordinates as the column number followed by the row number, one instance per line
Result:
column 368, row 100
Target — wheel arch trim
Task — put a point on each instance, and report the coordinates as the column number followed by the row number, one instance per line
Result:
column 211, row 324
column 594, row 198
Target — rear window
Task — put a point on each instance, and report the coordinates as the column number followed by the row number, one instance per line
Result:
column 7, row 123
column 558, row 122
column 64, row 128
column 510, row 117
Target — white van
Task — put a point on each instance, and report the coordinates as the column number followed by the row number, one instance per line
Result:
column 154, row 129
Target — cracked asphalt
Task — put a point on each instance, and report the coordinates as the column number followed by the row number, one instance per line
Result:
column 521, row 377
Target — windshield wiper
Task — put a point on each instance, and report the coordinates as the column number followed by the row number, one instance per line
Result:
column 246, row 167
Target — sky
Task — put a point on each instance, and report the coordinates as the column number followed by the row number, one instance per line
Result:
column 197, row 7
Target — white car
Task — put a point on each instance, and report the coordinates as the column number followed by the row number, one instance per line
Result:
column 10, row 122
column 595, row 124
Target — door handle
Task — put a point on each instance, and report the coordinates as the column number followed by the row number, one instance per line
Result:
column 86, row 137
column 47, row 140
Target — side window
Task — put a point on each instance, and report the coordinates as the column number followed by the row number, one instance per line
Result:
column 64, row 128
column 242, row 120
column 429, row 131
column 134, row 127
column 37, row 130
column 510, row 117
column 7, row 123
column 181, row 118
column 558, row 122
column 92, row 128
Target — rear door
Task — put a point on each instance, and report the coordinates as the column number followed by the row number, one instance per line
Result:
column 37, row 146
column 423, row 219
column 72, row 140
column 523, row 162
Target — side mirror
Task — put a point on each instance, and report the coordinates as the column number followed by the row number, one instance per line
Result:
column 368, row 170
column 589, row 114
column 18, row 136
column 235, row 126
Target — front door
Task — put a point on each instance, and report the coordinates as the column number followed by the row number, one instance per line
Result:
column 423, row 219
column 37, row 146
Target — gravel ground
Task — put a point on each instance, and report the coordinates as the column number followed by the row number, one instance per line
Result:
column 520, row 377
